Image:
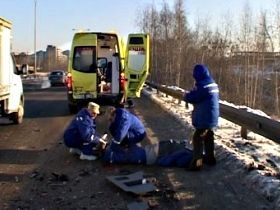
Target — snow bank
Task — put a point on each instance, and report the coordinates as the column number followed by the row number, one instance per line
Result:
column 257, row 160
column 248, row 109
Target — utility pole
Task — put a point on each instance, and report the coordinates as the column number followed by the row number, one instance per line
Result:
column 35, row 56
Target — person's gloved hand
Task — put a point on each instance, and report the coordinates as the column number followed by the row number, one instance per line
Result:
column 102, row 142
column 101, row 145
column 104, row 138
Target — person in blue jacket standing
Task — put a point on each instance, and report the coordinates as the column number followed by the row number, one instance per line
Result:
column 127, row 131
column 81, row 136
column 205, row 100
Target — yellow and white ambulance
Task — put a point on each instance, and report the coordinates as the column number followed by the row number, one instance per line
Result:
column 102, row 66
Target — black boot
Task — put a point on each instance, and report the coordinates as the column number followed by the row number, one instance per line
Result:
column 196, row 163
column 211, row 161
column 209, row 157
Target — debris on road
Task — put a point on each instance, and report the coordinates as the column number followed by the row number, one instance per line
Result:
column 84, row 172
column 59, row 177
column 34, row 174
column 153, row 203
column 134, row 183
column 138, row 206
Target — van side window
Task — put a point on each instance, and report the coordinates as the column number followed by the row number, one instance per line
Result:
column 84, row 59
column 136, row 58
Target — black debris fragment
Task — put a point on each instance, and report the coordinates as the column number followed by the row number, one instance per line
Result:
column 59, row 177
column 261, row 167
column 84, row 172
column 34, row 174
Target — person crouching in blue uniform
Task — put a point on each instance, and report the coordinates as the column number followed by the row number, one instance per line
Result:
column 81, row 136
column 127, row 131
column 205, row 100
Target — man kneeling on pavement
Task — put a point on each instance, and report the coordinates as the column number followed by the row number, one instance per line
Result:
column 81, row 136
column 127, row 131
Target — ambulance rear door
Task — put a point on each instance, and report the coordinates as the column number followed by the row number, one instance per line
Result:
column 137, row 63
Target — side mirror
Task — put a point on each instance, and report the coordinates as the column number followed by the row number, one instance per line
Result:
column 24, row 69
column 18, row 71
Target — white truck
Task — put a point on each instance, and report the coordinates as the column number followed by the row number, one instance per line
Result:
column 11, row 91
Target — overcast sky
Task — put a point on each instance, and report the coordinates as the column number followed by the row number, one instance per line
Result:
column 56, row 19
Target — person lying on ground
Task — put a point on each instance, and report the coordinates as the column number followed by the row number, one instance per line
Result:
column 81, row 136
column 165, row 153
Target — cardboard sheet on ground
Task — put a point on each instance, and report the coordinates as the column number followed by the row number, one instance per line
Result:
column 132, row 183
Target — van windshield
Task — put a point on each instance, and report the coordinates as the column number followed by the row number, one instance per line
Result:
column 84, row 59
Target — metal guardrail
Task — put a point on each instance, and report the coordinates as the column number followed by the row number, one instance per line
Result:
column 261, row 125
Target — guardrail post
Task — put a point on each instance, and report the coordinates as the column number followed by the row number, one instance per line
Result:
column 244, row 132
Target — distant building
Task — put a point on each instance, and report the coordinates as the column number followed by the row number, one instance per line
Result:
column 51, row 55
column 51, row 59
column 55, row 58
column 66, row 52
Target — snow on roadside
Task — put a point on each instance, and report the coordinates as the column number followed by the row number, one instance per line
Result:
column 248, row 109
column 257, row 160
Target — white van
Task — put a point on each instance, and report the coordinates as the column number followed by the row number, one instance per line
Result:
column 11, row 91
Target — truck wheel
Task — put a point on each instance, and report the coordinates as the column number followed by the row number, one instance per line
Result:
column 72, row 109
column 17, row 117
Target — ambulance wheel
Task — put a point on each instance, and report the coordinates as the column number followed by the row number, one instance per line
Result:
column 17, row 117
column 73, row 109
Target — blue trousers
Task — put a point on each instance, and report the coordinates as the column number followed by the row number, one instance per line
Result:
column 86, row 148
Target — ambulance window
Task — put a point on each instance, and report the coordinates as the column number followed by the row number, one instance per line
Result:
column 136, row 58
column 136, row 40
column 84, row 59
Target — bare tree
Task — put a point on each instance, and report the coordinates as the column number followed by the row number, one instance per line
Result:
column 180, row 37
column 276, row 70
column 239, row 58
column 166, row 22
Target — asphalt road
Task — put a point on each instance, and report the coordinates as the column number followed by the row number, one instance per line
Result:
column 33, row 162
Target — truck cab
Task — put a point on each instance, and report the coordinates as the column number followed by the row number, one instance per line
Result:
column 11, row 91
column 102, row 66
